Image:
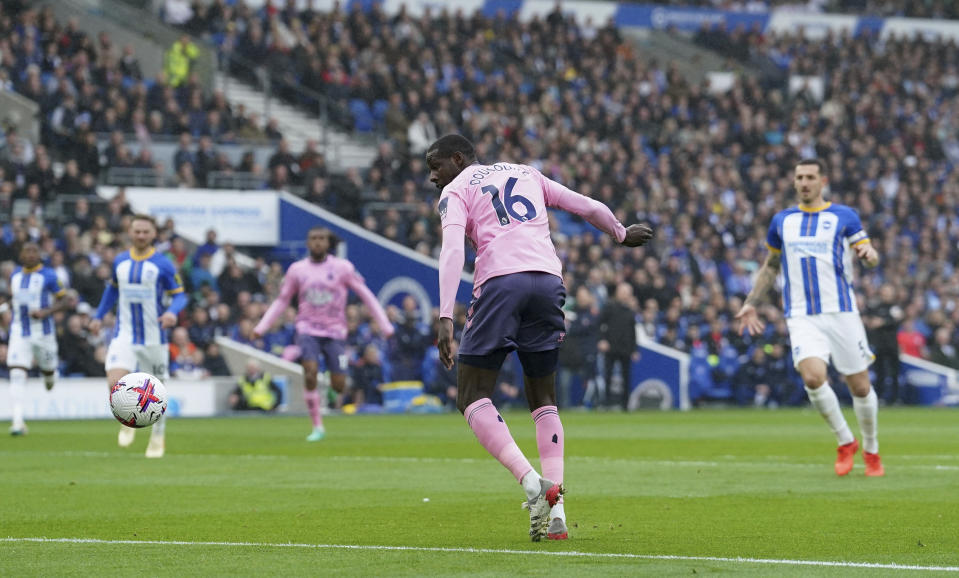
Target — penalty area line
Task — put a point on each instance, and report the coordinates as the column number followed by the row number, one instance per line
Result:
column 571, row 554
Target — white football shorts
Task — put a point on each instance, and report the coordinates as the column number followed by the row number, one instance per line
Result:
column 839, row 337
column 152, row 359
column 23, row 351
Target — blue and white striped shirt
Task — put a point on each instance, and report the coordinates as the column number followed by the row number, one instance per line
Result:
column 816, row 258
column 32, row 290
column 142, row 284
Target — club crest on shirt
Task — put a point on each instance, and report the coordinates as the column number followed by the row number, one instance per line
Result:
column 444, row 202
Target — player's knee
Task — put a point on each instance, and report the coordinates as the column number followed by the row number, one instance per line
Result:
column 337, row 382
column 813, row 380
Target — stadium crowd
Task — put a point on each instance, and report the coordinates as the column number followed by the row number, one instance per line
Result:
column 707, row 169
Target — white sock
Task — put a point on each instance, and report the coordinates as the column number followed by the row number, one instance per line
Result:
column 18, row 387
column 531, row 485
column 159, row 427
column 824, row 399
column 558, row 511
column 867, row 410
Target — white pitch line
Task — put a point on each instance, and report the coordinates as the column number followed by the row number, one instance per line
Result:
column 573, row 554
column 430, row 460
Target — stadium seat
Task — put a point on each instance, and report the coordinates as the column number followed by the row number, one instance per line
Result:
column 362, row 116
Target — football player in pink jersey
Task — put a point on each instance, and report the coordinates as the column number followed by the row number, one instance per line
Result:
column 518, row 295
column 321, row 283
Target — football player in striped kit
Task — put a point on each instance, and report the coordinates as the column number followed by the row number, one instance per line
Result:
column 36, row 294
column 813, row 244
column 148, row 296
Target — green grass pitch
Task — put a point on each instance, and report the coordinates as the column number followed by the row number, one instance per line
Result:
column 649, row 493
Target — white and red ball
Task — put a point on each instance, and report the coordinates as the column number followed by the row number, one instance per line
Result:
column 138, row 400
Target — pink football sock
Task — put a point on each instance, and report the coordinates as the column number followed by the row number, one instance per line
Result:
column 312, row 399
column 493, row 434
column 549, row 441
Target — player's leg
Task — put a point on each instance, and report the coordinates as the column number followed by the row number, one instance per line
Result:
column 865, row 403
column 309, row 356
column 550, row 437
column 852, row 357
column 476, row 379
column 155, row 360
column 338, row 363
column 491, row 327
column 120, row 358
column 814, row 371
column 18, row 390
column 541, row 331
column 45, row 352
column 811, row 354
column 19, row 359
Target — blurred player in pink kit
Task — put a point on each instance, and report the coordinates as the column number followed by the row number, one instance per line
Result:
column 518, row 295
column 321, row 283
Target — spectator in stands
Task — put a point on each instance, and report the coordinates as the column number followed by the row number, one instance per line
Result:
column 235, row 280
column 367, row 374
column 186, row 360
column 443, row 382
column 201, row 331
column 943, row 351
column 577, row 361
column 410, row 341
column 911, row 341
column 757, row 381
column 882, row 324
column 214, row 362
column 617, row 343
column 77, row 354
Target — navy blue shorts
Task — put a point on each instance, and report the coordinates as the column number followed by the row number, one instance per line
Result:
column 522, row 311
column 332, row 351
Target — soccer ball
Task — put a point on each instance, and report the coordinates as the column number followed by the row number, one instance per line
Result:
column 138, row 400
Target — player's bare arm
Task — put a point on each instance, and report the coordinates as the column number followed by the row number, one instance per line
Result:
column 867, row 254
column 638, row 235
column 61, row 304
column 749, row 316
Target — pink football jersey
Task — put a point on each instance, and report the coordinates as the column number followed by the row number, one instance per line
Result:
column 321, row 290
column 502, row 209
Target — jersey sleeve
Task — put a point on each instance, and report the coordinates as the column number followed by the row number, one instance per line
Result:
column 774, row 240
column 852, row 228
column 289, row 287
column 355, row 281
column 52, row 284
column 169, row 279
column 113, row 277
column 595, row 212
column 452, row 209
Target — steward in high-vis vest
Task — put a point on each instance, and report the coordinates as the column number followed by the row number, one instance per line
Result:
column 179, row 60
column 256, row 390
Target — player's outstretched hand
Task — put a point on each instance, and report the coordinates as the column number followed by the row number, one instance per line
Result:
column 749, row 320
column 167, row 320
column 868, row 254
column 638, row 235
column 444, row 342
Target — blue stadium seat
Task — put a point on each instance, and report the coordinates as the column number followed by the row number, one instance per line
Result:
column 362, row 116
column 379, row 111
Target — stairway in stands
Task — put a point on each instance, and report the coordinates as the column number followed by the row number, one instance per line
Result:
column 343, row 149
